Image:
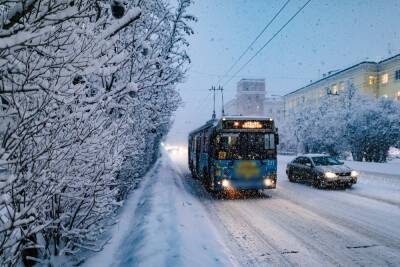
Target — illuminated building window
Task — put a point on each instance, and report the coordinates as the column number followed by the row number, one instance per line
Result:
column 334, row 89
column 385, row 78
column 397, row 75
column 371, row 80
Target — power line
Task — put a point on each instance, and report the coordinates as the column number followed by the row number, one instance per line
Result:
column 252, row 43
column 199, row 73
column 203, row 102
column 269, row 41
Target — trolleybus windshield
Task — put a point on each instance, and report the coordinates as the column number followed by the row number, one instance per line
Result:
column 244, row 146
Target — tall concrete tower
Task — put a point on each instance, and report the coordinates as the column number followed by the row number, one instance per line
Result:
column 250, row 97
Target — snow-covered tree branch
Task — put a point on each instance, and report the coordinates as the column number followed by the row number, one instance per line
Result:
column 349, row 122
column 87, row 90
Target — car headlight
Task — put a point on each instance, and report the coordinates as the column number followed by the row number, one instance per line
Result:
column 330, row 175
column 354, row 174
column 269, row 182
column 225, row 183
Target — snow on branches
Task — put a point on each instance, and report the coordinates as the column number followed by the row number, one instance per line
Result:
column 350, row 122
column 87, row 90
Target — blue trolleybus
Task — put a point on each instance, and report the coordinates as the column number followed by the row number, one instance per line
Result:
column 235, row 152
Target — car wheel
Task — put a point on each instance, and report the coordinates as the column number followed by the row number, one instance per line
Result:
column 317, row 183
column 290, row 177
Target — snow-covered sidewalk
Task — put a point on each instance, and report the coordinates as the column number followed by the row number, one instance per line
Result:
column 162, row 224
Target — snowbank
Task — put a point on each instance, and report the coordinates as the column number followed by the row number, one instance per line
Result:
column 391, row 168
column 163, row 225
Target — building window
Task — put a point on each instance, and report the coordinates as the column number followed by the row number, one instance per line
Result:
column 397, row 75
column 341, row 86
column 385, row 78
column 334, row 89
column 371, row 80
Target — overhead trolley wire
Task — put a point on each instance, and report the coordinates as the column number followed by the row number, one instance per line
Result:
column 255, row 40
column 202, row 103
column 269, row 41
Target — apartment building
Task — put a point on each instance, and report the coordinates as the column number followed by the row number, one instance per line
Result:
column 273, row 108
column 380, row 79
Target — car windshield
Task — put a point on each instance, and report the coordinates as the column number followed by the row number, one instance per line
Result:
column 324, row 161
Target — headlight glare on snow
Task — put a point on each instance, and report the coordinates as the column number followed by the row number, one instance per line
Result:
column 330, row 175
column 354, row 174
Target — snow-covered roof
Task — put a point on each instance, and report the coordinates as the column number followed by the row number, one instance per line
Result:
column 342, row 71
column 209, row 123
column 259, row 80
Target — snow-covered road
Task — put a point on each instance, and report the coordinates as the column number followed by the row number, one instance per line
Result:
column 297, row 225
column 172, row 221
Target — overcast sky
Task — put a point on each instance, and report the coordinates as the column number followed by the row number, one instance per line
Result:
column 327, row 35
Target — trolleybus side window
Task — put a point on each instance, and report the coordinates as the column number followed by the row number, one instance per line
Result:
column 203, row 142
column 198, row 144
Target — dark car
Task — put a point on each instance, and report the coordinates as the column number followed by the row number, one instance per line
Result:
column 321, row 171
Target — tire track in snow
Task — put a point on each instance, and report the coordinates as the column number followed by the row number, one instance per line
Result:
column 254, row 244
column 325, row 229
column 251, row 246
column 328, row 238
column 351, row 211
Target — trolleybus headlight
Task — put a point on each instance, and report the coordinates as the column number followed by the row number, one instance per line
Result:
column 330, row 175
column 225, row 183
column 269, row 182
column 354, row 174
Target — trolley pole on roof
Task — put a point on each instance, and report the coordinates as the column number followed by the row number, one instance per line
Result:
column 213, row 88
column 220, row 88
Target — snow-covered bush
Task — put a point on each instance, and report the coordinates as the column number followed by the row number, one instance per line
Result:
column 349, row 122
column 86, row 96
